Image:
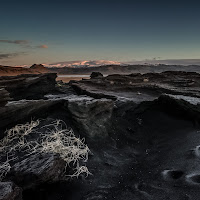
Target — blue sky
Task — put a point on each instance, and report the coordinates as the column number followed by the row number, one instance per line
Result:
column 54, row 31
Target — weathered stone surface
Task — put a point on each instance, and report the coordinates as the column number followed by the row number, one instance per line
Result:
column 4, row 97
column 92, row 116
column 16, row 111
column 28, row 86
column 151, row 149
column 180, row 105
column 92, row 91
column 37, row 169
column 96, row 75
column 9, row 191
column 141, row 87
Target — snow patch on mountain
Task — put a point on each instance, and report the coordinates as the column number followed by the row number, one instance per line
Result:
column 86, row 63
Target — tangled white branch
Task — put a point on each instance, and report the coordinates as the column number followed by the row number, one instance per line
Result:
column 4, row 169
column 53, row 138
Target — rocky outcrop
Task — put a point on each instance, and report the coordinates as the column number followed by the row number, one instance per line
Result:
column 28, row 86
column 91, row 91
column 36, row 170
column 181, row 106
column 150, row 126
column 92, row 116
column 4, row 97
column 17, row 111
column 96, row 75
column 141, row 87
column 9, row 191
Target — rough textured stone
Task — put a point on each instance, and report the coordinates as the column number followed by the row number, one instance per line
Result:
column 92, row 116
column 151, row 149
column 29, row 86
column 4, row 97
column 37, row 169
column 16, row 111
column 141, row 87
column 9, row 191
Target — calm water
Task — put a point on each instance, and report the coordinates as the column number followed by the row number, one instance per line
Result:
column 74, row 76
column 68, row 77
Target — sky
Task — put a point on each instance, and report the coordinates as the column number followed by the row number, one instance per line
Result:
column 52, row 31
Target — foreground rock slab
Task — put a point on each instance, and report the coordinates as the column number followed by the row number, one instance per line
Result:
column 16, row 111
column 140, row 87
column 92, row 116
column 28, row 86
column 5, row 97
column 37, row 169
column 151, row 149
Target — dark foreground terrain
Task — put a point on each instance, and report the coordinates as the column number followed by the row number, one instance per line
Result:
column 143, row 132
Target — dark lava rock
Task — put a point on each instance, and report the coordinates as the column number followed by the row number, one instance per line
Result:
column 93, row 116
column 148, row 134
column 193, row 179
column 29, row 86
column 96, row 75
column 17, row 111
column 9, row 191
column 37, row 169
column 172, row 174
column 141, row 87
column 4, row 97
column 91, row 91
column 181, row 106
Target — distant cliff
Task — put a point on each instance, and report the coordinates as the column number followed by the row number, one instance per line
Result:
column 13, row 71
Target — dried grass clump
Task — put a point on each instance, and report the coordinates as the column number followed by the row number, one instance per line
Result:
column 58, row 139
column 53, row 138
column 4, row 169
column 16, row 138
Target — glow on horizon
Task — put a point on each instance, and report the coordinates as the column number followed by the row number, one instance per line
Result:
column 121, row 31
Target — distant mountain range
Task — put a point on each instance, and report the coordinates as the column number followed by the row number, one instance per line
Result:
column 125, row 69
column 86, row 63
column 97, row 63
column 79, row 63
column 105, row 69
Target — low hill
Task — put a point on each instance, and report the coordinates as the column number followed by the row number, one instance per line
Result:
column 39, row 68
column 13, row 71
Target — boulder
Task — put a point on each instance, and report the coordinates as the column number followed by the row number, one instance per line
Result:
column 96, row 75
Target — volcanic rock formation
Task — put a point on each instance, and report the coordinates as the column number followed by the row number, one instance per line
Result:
column 142, row 130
